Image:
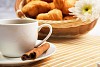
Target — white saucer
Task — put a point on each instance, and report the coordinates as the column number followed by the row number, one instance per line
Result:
column 17, row 61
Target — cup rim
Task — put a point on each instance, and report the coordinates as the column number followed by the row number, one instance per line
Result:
column 18, row 19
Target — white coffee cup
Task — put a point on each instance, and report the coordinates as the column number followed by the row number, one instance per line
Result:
column 18, row 36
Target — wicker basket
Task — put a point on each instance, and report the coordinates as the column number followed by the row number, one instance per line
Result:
column 64, row 28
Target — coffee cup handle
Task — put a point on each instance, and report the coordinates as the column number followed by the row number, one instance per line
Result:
column 49, row 34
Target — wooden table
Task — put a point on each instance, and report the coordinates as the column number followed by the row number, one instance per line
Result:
column 80, row 52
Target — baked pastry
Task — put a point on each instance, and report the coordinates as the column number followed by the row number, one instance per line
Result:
column 43, row 16
column 49, row 1
column 34, row 8
column 52, row 6
column 27, row 1
column 64, row 5
column 59, row 4
column 54, row 14
column 69, row 17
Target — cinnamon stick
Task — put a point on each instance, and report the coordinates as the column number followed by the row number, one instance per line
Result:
column 36, row 52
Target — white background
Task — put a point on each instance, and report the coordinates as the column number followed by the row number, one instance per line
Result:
column 7, row 9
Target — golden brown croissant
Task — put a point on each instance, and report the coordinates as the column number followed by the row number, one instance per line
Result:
column 52, row 6
column 49, row 1
column 54, row 14
column 34, row 8
column 27, row 1
column 64, row 5
column 59, row 4
column 69, row 17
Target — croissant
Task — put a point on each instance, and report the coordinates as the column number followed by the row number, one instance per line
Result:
column 49, row 1
column 59, row 4
column 64, row 5
column 34, row 8
column 69, row 17
column 27, row 1
column 52, row 6
column 54, row 14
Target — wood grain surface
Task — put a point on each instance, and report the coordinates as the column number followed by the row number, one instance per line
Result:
column 80, row 52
